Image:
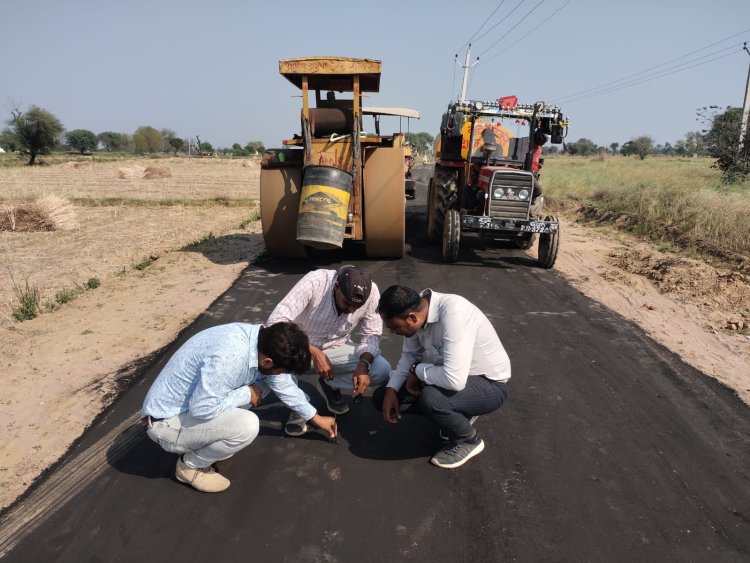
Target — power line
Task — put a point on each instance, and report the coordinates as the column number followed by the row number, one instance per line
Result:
column 646, row 79
column 502, row 20
column 485, row 61
column 483, row 24
column 512, row 28
column 653, row 67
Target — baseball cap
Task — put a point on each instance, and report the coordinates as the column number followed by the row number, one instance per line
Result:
column 355, row 284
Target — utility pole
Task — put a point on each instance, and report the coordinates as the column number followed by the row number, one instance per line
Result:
column 466, row 66
column 745, row 107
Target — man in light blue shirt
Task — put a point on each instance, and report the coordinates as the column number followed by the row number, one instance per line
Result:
column 198, row 405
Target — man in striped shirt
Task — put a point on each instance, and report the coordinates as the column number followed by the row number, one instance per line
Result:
column 329, row 305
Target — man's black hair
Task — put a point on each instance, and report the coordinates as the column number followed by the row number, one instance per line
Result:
column 398, row 301
column 287, row 345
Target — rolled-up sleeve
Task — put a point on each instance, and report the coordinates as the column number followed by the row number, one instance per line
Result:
column 371, row 327
column 411, row 351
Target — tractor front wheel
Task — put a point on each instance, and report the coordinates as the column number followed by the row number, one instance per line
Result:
column 549, row 244
column 451, row 235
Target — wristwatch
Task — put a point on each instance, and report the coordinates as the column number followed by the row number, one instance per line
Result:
column 413, row 368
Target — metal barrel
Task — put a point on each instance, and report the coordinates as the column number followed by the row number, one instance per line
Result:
column 323, row 206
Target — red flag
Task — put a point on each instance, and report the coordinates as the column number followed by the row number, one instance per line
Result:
column 508, row 102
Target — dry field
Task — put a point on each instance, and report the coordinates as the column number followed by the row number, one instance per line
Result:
column 122, row 217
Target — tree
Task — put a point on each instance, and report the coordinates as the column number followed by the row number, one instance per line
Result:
column 422, row 142
column 176, row 144
column 239, row 150
column 35, row 130
column 8, row 140
column 166, row 135
column 148, row 140
column 582, row 147
column 613, row 147
column 82, row 140
column 642, row 146
column 112, row 141
column 695, row 142
column 722, row 143
column 255, row 147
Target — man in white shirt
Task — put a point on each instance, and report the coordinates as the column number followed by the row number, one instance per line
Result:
column 329, row 305
column 453, row 366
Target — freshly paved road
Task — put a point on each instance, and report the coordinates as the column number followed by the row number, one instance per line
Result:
column 609, row 449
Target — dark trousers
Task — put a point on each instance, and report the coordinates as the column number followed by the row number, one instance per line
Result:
column 451, row 410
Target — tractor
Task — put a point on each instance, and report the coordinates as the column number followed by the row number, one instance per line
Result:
column 334, row 183
column 486, row 177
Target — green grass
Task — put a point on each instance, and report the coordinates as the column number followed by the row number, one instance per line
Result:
column 197, row 242
column 28, row 302
column 143, row 264
column 252, row 219
column 672, row 200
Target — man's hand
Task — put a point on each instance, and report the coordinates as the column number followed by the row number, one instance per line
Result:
column 413, row 385
column 321, row 363
column 360, row 380
column 391, row 406
column 325, row 423
column 256, row 397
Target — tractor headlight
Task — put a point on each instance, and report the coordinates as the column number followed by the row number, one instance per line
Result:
column 523, row 194
column 498, row 193
column 478, row 106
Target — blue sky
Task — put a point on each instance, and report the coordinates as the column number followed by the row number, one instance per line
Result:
column 211, row 68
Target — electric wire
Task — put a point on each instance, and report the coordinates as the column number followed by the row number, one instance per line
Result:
column 646, row 79
column 512, row 28
column 517, row 41
column 619, row 85
column 483, row 24
column 652, row 68
column 502, row 20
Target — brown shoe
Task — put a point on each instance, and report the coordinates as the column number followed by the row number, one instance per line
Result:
column 205, row 480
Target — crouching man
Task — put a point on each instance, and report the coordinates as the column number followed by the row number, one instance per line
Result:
column 198, row 405
column 453, row 367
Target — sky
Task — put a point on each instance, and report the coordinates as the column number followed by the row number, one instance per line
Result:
column 210, row 68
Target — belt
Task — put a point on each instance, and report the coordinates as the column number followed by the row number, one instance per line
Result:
column 147, row 420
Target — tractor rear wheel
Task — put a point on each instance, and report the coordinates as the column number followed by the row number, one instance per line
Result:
column 549, row 244
column 451, row 235
column 444, row 194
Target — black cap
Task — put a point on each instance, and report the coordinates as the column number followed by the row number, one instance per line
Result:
column 355, row 284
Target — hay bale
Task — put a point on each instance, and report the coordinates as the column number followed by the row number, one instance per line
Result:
column 156, row 172
column 48, row 213
column 132, row 173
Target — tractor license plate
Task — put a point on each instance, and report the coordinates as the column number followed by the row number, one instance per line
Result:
column 538, row 227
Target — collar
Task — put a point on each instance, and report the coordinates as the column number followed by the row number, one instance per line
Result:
column 432, row 311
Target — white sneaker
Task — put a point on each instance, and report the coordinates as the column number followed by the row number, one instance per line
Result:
column 205, row 479
column 444, row 436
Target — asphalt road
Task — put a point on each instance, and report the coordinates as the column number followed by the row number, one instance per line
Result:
column 609, row 449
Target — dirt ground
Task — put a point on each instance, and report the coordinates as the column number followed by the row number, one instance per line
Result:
column 61, row 369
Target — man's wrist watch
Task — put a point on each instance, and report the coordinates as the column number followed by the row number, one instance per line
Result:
column 413, row 368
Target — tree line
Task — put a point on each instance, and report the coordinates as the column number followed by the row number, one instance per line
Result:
column 37, row 131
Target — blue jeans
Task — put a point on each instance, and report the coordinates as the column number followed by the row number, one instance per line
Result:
column 451, row 410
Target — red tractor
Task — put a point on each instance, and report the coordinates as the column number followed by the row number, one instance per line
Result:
column 486, row 178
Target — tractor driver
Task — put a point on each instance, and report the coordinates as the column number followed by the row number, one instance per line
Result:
column 537, row 140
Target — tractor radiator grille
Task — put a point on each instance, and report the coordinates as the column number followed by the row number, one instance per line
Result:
column 507, row 199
